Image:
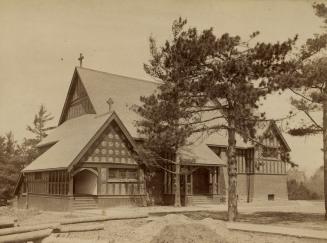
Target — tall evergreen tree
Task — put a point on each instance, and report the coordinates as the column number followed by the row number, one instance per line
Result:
column 40, row 129
column 14, row 156
column 306, row 77
column 167, row 117
column 10, row 164
column 220, row 79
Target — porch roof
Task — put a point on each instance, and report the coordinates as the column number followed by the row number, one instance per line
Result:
column 200, row 154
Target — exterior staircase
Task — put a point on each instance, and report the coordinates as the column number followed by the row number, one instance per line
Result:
column 202, row 199
column 84, row 203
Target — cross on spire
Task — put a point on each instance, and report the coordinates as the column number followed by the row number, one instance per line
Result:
column 80, row 59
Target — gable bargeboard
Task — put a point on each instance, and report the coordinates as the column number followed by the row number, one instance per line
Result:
column 77, row 102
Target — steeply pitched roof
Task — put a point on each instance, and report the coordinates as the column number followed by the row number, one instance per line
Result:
column 124, row 91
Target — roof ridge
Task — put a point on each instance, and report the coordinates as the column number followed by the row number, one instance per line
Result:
column 119, row 75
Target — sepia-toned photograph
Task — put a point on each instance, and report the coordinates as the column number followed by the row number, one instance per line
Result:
column 167, row 121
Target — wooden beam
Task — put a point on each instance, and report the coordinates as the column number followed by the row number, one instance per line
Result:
column 24, row 229
column 25, row 237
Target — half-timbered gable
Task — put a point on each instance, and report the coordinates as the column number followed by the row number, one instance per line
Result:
column 111, row 147
column 77, row 102
column 114, row 157
column 270, row 151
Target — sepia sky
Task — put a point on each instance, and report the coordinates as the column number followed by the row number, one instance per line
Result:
column 40, row 42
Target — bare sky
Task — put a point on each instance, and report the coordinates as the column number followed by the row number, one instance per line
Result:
column 40, row 42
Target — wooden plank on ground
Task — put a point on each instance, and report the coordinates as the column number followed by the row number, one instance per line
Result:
column 101, row 218
column 28, row 236
column 79, row 228
column 23, row 229
column 53, row 239
column 6, row 223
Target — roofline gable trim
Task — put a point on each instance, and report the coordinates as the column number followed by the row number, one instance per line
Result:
column 279, row 134
column 112, row 117
column 75, row 78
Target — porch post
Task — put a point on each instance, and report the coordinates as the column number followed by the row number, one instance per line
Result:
column 185, row 188
column 214, row 181
column 99, row 184
column 192, row 183
column 71, row 185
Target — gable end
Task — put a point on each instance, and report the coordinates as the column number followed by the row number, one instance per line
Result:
column 77, row 101
column 112, row 146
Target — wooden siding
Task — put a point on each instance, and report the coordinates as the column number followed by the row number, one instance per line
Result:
column 245, row 160
column 271, row 166
column 78, row 102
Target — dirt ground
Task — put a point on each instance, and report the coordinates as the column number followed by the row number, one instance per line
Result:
column 178, row 228
column 189, row 227
column 286, row 219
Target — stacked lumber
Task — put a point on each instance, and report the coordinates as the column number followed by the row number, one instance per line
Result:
column 39, row 232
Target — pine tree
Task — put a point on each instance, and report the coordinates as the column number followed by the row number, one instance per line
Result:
column 167, row 120
column 10, row 164
column 39, row 128
column 306, row 77
column 220, row 79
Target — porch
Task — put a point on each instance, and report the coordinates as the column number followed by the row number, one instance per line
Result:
column 199, row 185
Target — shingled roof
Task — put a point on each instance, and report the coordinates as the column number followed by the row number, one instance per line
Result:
column 125, row 92
column 71, row 136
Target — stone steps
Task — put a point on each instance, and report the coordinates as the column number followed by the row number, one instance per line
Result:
column 84, row 203
column 202, row 199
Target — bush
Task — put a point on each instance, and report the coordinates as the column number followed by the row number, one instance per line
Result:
column 298, row 191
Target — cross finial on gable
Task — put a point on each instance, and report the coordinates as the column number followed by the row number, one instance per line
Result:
column 110, row 102
column 80, row 59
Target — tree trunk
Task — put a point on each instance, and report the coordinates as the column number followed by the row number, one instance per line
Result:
column 232, row 171
column 178, row 183
column 325, row 151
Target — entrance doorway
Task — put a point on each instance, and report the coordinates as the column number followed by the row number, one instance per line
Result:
column 201, row 181
column 86, row 183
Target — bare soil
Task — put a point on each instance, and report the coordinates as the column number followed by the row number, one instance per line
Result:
column 286, row 219
column 189, row 227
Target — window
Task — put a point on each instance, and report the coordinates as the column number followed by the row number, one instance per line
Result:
column 122, row 173
column 38, row 175
column 271, row 197
column 270, row 152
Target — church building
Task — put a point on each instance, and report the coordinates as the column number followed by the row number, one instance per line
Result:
column 88, row 161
